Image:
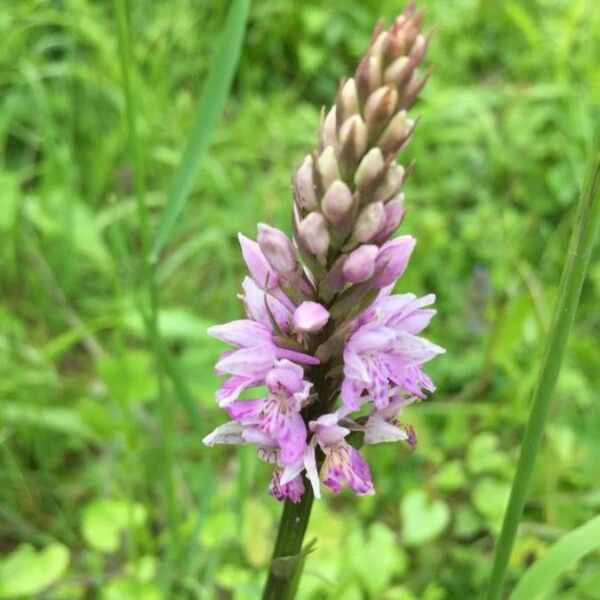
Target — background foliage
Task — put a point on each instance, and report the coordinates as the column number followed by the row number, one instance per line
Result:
column 100, row 495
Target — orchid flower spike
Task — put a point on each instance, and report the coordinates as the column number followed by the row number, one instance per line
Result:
column 324, row 336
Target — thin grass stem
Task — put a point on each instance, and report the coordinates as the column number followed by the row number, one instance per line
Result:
column 150, row 314
column 587, row 222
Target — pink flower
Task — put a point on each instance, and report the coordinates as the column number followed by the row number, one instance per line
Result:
column 343, row 464
column 383, row 425
column 278, row 415
column 384, row 351
column 254, row 357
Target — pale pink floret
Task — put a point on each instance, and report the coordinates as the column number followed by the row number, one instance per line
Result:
column 278, row 415
column 384, row 351
column 343, row 464
column 383, row 425
column 254, row 357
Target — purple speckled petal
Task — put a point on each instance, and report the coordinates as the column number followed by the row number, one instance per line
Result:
column 344, row 464
column 351, row 391
column 359, row 476
column 245, row 411
column 291, row 436
column 292, row 490
column 285, row 374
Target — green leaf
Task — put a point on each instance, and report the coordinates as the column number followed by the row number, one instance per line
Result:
column 423, row 518
column 483, row 455
column 128, row 376
column 105, row 520
column 55, row 418
column 27, row 572
column 540, row 578
column 490, row 498
column 211, row 104
column 451, row 476
column 375, row 558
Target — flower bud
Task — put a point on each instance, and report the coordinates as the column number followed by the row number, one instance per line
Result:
column 394, row 211
column 360, row 263
column 380, row 106
column 258, row 266
column 347, row 101
column 329, row 129
column 369, row 222
column 413, row 87
column 398, row 71
column 353, row 140
column 417, row 52
column 395, row 133
column 278, row 250
column 370, row 168
column 304, row 189
column 337, row 202
column 368, row 75
column 393, row 259
column 328, row 167
column 381, row 44
column 310, row 317
column 314, row 233
column 391, row 184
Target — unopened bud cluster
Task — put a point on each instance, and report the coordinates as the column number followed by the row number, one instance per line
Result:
column 322, row 322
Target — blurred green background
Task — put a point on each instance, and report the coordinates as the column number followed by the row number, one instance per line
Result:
column 105, row 488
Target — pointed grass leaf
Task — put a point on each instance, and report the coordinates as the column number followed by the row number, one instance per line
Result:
column 538, row 580
column 209, row 110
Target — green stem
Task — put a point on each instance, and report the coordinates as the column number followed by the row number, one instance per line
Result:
column 149, row 313
column 283, row 577
column 586, row 226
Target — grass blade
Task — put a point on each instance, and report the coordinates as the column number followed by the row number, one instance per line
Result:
column 587, row 221
column 540, row 577
column 209, row 110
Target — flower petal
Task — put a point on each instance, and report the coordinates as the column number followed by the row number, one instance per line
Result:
column 229, row 433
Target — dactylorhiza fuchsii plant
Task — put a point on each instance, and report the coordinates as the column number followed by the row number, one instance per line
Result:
column 322, row 321
column 336, row 355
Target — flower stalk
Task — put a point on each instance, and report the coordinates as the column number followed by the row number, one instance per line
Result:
column 585, row 231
